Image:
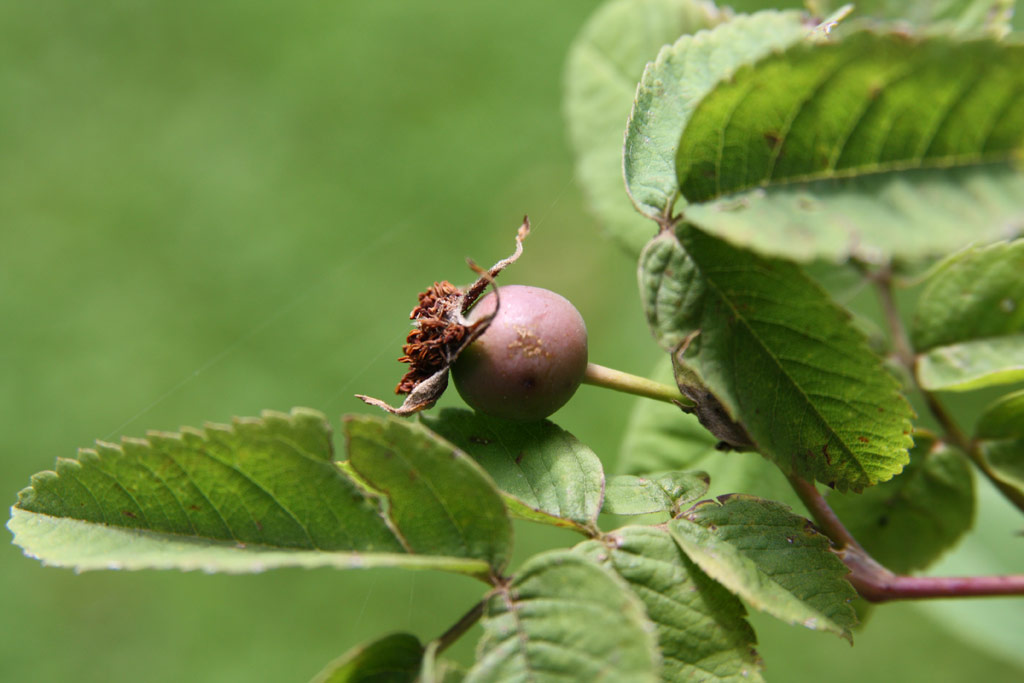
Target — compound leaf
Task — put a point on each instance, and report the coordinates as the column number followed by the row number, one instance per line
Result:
column 702, row 630
column 392, row 659
column 564, row 617
column 908, row 522
column 546, row 474
column 781, row 357
column 675, row 83
column 441, row 501
column 604, row 64
column 771, row 558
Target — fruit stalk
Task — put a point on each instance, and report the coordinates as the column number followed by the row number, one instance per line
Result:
column 609, row 378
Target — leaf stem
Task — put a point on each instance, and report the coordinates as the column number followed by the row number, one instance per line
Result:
column 904, row 352
column 459, row 628
column 600, row 376
column 875, row 583
column 823, row 514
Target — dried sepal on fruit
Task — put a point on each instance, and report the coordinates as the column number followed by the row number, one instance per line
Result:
column 441, row 333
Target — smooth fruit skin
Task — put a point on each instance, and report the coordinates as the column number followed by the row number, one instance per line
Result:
column 531, row 359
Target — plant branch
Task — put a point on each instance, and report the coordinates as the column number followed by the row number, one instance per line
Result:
column 459, row 628
column 600, row 376
column 875, row 583
column 823, row 514
column 952, row 432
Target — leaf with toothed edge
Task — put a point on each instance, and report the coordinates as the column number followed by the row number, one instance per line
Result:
column 782, row 358
column 606, row 60
column 544, row 472
column 969, row 322
column 673, row 85
column 771, row 558
column 876, row 144
column 258, row 494
column 702, row 630
column 440, row 500
column 564, row 617
column 867, row 143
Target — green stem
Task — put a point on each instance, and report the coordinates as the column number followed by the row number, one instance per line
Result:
column 460, row 627
column 600, row 376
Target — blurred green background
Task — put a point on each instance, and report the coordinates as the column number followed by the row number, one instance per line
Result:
column 214, row 208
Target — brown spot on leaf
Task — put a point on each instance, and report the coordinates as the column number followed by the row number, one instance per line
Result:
column 773, row 139
column 519, row 458
column 129, row 513
column 863, row 439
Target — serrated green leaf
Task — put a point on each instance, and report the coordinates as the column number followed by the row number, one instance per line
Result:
column 666, row 492
column 771, row 558
column 869, row 103
column 949, row 16
column 1003, row 418
column 604, row 64
column 565, row 618
column 392, row 659
column 973, row 365
column 659, row 437
column 910, row 521
column 270, row 481
column 883, row 105
column 781, row 357
column 258, row 494
column 441, row 501
column 872, row 216
column 975, row 294
column 675, row 83
column 969, row 320
column 702, row 632
column 546, row 474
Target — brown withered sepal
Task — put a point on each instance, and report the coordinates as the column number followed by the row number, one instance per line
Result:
column 431, row 344
column 441, row 333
